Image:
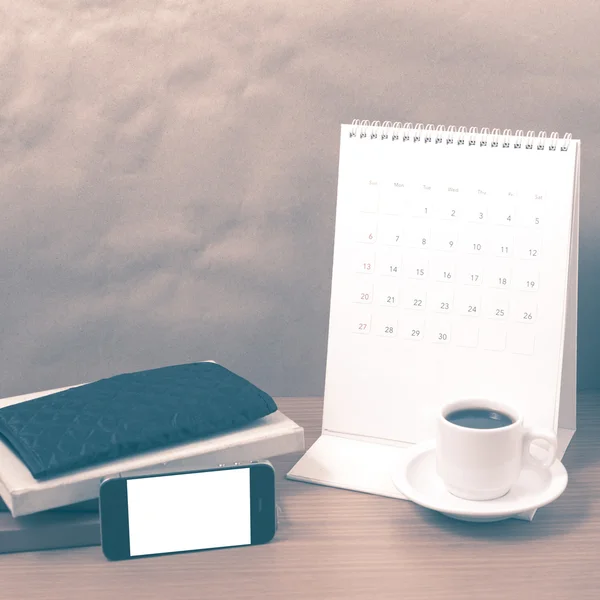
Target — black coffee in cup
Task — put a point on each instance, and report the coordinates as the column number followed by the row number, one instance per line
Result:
column 479, row 418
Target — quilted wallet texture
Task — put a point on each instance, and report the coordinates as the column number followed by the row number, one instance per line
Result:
column 127, row 414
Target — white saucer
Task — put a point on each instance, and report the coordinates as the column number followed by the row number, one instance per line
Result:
column 417, row 479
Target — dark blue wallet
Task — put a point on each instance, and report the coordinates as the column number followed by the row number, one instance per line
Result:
column 127, row 414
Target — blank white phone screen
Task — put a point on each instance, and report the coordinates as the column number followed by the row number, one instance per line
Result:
column 191, row 511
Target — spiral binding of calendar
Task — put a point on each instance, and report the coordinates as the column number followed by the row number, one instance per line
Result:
column 461, row 136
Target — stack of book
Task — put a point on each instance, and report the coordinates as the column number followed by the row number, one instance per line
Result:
column 62, row 511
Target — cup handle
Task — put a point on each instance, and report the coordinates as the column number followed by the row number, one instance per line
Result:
column 531, row 435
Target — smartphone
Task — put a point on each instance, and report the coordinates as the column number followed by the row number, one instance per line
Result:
column 185, row 512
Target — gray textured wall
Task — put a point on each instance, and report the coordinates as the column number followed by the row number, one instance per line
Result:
column 168, row 168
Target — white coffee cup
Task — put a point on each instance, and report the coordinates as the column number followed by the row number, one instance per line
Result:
column 484, row 463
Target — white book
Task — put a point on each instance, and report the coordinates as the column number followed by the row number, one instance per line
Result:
column 454, row 276
column 267, row 437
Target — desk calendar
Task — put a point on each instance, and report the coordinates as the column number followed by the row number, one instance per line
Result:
column 454, row 276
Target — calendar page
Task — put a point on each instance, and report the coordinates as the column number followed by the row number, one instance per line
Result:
column 450, row 272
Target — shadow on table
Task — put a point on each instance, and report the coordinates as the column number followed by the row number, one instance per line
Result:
column 555, row 520
column 584, row 449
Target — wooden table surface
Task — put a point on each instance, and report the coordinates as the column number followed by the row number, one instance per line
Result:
column 338, row 544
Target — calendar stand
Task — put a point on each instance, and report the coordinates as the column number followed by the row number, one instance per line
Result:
column 383, row 390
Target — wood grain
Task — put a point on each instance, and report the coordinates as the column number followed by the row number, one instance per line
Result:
column 338, row 544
